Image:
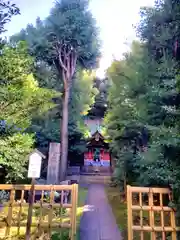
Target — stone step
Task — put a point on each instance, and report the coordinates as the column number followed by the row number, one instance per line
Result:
column 93, row 169
column 90, row 179
column 74, row 170
column 95, row 179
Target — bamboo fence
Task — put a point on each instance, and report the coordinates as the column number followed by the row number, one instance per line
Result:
column 149, row 214
column 41, row 222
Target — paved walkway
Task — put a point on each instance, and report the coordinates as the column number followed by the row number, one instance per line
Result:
column 98, row 222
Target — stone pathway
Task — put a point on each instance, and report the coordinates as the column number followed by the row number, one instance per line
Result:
column 98, row 222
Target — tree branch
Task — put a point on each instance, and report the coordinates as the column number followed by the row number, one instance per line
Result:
column 59, row 51
column 67, row 59
column 65, row 80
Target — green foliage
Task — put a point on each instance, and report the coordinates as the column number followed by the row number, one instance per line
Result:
column 99, row 107
column 77, row 27
column 7, row 10
column 20, row 100
column 82, row 97
column 143, row 118
column 70, row 22
column 14, row 152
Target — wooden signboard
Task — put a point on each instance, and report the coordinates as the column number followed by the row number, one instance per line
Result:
column 34, row 169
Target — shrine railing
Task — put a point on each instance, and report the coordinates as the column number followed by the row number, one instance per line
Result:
column 47, row 212
column 149, row 214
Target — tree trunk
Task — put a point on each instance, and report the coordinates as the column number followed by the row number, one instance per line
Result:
column 64, row 136
column 66, row 66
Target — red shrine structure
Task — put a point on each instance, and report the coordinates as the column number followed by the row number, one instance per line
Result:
column 97, row 154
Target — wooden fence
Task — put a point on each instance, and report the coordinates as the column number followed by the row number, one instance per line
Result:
column 46, row 213
column 149, row 214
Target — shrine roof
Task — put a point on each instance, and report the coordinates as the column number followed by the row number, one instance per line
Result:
column 97, row 133
column 97, row 139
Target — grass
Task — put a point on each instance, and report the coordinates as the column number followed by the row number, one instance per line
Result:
column 58, row 216
column 119, row 209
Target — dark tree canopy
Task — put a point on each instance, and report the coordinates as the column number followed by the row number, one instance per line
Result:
column 143, row 115
column 69, row 25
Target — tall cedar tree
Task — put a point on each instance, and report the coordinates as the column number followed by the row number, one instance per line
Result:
column 67, row 38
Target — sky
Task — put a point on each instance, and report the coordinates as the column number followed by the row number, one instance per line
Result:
column 115, row 18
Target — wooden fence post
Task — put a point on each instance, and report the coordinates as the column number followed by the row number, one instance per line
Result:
column 30, row 210
column 151, row 214
column 74, row 200
column 72, row 212
column 75, row 206
column 9, row 217
column 129, row 212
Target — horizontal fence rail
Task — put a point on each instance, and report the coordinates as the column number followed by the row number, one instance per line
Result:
column 38, row 211
column 149, row 214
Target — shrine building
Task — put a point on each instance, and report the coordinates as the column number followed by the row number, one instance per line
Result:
column 97, row 156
